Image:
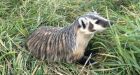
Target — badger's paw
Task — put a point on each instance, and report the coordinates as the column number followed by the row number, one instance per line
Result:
column 87, row 61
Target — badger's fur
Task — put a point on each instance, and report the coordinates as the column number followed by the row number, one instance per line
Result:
column 66, row 43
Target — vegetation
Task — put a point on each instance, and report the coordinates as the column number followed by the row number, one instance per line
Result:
column 119, row 45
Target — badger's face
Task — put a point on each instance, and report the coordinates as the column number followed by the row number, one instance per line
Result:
column 93, row 22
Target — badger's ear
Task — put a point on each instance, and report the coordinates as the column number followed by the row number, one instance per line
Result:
column 82, row 22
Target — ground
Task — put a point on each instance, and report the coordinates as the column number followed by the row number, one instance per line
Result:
column 119, row 46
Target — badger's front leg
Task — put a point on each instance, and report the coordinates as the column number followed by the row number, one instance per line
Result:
column 90, row 52
column 86, row 60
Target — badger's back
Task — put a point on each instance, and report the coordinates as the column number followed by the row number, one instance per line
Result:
column 53, row 44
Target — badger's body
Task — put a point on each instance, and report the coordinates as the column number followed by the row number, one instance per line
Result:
column 65, row 44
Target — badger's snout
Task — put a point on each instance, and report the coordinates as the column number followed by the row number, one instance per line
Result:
column 100, row 20
column 104, row 23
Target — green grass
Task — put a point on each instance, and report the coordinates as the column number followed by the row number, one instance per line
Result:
column 120, row 43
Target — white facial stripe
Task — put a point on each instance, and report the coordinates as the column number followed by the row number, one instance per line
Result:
column 100, row 17
column 90, row 20
column 96, row 26
column 82, row 19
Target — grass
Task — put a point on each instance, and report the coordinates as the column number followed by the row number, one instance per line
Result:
column 120, row 43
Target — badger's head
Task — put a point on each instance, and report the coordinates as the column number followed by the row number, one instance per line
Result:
column 93, row 22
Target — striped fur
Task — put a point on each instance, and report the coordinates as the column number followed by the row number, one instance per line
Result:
column 63, row 44
column 53, row 44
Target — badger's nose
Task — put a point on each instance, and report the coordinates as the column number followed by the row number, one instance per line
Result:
column 110, row 23
column 107, row 23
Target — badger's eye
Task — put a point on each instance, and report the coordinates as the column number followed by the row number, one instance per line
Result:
column 97, row 22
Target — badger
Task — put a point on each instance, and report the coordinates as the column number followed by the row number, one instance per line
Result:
column 67, row 43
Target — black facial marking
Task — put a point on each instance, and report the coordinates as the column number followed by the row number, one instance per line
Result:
column 84, row 26
column 91, row 26
column 102, row 23
column 97, row 22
